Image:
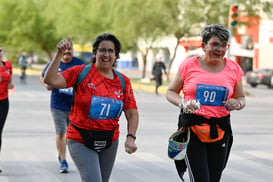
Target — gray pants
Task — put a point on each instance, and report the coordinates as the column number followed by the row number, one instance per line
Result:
column 93, row 166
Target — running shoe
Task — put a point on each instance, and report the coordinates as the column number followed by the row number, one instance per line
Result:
column 63, row 167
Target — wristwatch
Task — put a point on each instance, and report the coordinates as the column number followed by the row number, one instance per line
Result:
column 131, row 135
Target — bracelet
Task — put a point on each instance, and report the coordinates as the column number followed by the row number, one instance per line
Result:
column 180, row 105
column 239, row 105
column 131, row 135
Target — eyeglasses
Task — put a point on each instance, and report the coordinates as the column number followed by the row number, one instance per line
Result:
column 103, row 51
column 217, row 45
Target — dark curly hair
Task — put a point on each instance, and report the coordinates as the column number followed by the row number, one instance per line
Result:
column 215, row 30
column 108, row 37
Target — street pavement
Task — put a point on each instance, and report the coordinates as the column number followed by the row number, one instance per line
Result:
column 29, row 153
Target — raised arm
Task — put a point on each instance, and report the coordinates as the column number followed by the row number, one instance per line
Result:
column 44, row 84
column 52, row 77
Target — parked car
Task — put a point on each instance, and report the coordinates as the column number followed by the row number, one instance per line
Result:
column 260, row 77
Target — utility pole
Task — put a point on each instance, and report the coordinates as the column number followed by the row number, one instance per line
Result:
column 231, row 35
column 232, row 22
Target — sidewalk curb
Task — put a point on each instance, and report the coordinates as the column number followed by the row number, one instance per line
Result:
column 17, row 71
column 135, row 86
column 151, row 89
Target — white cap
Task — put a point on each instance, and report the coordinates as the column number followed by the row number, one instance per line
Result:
column 158, row 56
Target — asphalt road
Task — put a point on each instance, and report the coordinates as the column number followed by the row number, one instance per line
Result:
column 29, row 154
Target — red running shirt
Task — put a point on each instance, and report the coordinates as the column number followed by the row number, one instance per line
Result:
column 95, row 84
column 5, row 77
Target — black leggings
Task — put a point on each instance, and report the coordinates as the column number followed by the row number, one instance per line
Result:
column 206, row 161
column 4, row 108
column 158, row 80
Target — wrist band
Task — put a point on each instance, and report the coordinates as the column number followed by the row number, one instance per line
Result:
column 239, row 105
column 180, row 105
column 131, row 135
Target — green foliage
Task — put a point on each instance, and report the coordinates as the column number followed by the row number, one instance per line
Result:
column 37, row 25
column 28, row 29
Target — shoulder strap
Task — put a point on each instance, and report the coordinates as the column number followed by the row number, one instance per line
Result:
column 80, row 78
column 83, row 74
column 121, row 80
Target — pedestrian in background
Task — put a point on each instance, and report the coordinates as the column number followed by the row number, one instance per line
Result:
column 60, row 105
column 158, row 67
column 23, row 63
column 5, row 84
column 93, row 132
column 212, row 88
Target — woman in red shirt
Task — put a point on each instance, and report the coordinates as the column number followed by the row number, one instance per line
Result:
column 100, row 97
column 5, row 84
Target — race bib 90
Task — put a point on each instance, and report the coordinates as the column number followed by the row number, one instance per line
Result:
column 105, row 108
column 211, row 95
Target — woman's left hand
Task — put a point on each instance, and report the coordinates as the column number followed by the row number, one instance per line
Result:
column 232, row 104
column 130, row 145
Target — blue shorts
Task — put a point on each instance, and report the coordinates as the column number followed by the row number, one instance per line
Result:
column 61, row 120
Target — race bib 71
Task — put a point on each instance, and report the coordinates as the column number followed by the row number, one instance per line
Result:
column 105, row 108
column 211, row 95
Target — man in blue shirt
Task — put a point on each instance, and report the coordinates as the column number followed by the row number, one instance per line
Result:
column 60, row 105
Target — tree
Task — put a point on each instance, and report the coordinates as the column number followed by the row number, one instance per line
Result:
column 37, row 25
column 183, row 19
column 186, row 18
column 142, row 23
column 84, row 19
column 29, row 28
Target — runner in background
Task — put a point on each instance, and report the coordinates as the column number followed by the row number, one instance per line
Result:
column 23, row 63
column 158, row 67
column 60, row 105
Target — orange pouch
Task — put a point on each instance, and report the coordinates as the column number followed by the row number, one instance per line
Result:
column 203, row 133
